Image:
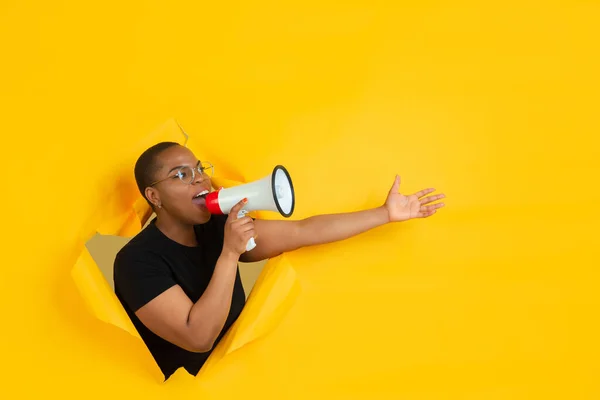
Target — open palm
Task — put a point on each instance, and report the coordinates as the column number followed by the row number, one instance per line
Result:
column 404, row 207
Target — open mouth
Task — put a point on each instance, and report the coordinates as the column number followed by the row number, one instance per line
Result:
column 200, row 198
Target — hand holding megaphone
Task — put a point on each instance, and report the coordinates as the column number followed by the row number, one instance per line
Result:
column 239, row 231
column 251, row 243
column 274, row 192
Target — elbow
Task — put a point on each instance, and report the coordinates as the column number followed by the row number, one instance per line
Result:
column 201, row 345
column 200, row 339
column 202, row 348
column 201, row 342
column 303, row 235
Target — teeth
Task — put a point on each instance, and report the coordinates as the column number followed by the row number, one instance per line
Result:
column 201, row 193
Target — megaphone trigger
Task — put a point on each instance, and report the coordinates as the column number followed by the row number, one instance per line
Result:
column 251, row 244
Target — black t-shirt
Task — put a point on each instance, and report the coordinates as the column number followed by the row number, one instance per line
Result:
column 151, row 263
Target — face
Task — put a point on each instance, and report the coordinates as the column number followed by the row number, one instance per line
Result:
column 179, row 199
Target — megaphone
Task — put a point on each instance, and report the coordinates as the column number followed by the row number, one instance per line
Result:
column 274, row 192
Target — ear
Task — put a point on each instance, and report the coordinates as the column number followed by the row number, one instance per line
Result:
column 153, row 195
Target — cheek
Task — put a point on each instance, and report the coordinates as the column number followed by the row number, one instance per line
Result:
column 178, row 196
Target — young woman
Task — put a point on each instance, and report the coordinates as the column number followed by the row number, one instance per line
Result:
column 178, row 278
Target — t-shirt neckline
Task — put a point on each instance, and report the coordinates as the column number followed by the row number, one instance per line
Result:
column 165, row 238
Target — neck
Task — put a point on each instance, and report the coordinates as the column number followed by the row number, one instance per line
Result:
column 179, row 232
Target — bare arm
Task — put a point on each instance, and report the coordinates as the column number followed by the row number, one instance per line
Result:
column 276, row 237
column 329, row 228
column 195, row 327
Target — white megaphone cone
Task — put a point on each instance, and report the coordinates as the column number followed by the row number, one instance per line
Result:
column 274, row 192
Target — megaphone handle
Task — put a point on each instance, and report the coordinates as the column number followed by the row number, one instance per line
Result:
column 251, row 243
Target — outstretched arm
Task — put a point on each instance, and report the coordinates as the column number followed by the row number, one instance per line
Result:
column 276, row 237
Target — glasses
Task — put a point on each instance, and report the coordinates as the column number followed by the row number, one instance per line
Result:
column 187, row 174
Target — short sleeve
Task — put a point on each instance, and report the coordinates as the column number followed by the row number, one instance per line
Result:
column 141, row 278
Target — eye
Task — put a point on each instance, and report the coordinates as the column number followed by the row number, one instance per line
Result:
column 181, row 175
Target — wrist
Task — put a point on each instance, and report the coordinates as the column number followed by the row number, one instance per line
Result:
column 229, row 256
column 382, row 214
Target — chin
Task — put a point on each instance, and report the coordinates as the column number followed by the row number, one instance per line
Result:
column 202, row 218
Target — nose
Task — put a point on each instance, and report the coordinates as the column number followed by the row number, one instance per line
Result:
column 199, row 177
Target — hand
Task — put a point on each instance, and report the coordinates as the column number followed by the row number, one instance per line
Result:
column 237, row 231
column 402, row 208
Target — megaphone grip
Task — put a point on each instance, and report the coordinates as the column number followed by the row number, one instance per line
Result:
column 251, row 244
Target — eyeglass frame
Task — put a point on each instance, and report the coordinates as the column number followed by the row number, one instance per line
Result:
column 198, row 168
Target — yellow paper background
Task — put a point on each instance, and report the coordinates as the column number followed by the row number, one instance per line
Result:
column 496, row 104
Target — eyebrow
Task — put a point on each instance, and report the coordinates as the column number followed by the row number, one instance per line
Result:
column 180, row 166
column 174, row 168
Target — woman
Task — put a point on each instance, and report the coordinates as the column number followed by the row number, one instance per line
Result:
column 178, row 279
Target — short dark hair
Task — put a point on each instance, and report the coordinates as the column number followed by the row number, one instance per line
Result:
column 147, row 165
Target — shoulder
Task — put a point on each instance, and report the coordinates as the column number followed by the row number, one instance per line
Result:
column 141, row 272
column 142, row 252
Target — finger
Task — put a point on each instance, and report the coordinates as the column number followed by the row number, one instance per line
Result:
column 424, row 192
column 431, row 199
column 431, row 207
column 396, row 186
column 244, row 221
column 247, row 228
column 426, row 214
column 236, row 208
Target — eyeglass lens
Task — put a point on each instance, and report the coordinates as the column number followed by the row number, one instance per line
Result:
column 186, row 174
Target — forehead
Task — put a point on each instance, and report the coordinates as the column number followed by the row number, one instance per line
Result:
column 176, row 156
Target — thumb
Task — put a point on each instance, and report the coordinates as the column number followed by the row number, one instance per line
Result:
column 396, row 186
